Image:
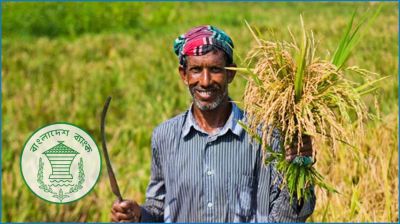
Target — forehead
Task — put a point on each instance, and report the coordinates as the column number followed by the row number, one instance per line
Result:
column 214, row 58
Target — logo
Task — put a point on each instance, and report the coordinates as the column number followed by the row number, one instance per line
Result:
column 60, row 163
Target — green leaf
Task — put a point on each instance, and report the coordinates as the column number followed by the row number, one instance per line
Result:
column 363, row 88
column 252, row 32
column 251, row 133
column 301, row 63
column 351, row 38
column 247, row 71
column 300, row 184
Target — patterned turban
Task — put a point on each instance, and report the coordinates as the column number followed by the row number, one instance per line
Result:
column 201, row 40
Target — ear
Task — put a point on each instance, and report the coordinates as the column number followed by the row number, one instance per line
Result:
column 182, row 73
column 231, row 73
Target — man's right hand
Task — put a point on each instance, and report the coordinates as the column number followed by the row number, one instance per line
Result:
column 125, row 211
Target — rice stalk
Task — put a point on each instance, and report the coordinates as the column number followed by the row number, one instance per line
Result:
column 297, row 93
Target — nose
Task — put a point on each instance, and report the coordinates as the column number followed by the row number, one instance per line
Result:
column 205, row 80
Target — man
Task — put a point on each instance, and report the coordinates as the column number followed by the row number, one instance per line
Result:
column 205, row 168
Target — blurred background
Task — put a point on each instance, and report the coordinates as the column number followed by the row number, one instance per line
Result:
column 60, row 61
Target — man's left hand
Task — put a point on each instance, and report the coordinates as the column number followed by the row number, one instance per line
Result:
column 305, row 150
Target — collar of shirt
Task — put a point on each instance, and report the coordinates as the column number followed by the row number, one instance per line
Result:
column 231, row 123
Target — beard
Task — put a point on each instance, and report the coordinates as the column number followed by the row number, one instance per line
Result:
column 207, row 106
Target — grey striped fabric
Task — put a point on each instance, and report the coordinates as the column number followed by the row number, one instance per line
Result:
column 219, row 178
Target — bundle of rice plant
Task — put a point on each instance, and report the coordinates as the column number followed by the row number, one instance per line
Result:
column 292, row 90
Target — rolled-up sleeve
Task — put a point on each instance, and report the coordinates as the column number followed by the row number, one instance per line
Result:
column 153, row 209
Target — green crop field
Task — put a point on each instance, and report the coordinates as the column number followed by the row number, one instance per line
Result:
column 60, row 61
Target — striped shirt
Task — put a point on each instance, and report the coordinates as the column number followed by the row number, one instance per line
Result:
column 197, row 177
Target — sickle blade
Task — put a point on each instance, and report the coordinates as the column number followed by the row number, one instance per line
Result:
column 111, row 176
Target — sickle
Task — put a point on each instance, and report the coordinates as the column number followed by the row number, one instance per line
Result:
column 111, row 176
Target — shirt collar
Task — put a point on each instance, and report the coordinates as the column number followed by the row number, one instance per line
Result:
column 231, row 124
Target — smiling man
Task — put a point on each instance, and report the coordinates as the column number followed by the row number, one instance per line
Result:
column 205, row 168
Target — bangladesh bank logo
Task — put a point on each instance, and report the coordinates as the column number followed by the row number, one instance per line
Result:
column 60, row 163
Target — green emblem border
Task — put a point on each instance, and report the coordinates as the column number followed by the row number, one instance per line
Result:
column 23, row 149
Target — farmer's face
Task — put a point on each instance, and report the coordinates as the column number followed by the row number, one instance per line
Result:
column 207, row 79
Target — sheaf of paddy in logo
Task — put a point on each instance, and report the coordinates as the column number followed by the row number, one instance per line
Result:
column 60, row 163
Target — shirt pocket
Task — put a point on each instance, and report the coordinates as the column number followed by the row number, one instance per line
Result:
column 241, row 198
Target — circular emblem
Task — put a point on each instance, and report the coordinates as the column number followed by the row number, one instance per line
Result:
column 60, row 163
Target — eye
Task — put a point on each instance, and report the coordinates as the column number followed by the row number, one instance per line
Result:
column 216, row 69
column 196, row 69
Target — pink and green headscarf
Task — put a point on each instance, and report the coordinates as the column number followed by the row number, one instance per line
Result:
column 201, row 40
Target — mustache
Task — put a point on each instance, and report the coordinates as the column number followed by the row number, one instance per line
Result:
column 211, row 88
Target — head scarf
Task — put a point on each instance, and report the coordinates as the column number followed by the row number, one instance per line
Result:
column 201, row 40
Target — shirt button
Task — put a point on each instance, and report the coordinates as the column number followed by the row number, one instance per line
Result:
column 210, row 204
column 210, row 172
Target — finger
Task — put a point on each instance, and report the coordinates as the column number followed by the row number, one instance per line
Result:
column 123, row 206
column 124, row 216
column 129, row 220
column 306, row 153
column 124, row 221
column 117, row 208
column 291, row 155
column 128, row 204
column 304, row 138
column 114, row 218
column 291, row 150
column 305, row 148
column 289, row 158
column 301, row 153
